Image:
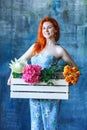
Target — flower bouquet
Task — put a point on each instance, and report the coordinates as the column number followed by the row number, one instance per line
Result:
column 34, row 74
column 25, row 75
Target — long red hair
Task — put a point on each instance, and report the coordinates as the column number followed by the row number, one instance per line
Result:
column 41, row 41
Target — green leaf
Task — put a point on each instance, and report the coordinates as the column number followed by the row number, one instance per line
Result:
column 16, row 75
column 50, row 83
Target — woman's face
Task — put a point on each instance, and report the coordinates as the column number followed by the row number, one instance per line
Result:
column 48, row 30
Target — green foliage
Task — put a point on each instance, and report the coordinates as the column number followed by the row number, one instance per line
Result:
column 16, row 75
column 46, row 74
column 50, row 73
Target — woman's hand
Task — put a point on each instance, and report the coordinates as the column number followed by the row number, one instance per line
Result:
column 9, row 80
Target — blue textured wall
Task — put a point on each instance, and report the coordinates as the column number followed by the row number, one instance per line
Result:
column 19, row 21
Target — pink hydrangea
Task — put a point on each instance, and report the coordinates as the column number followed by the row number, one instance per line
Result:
column 31, row 74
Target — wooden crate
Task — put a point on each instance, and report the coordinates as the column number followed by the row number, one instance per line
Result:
column 20, row 89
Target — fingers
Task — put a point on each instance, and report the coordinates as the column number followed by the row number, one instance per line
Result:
column 9, row 82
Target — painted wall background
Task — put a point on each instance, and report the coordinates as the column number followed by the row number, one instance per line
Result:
column 19, row 21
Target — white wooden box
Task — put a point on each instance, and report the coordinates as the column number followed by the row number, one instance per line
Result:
column 20, row 89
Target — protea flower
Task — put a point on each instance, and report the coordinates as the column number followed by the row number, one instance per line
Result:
column 17, row 66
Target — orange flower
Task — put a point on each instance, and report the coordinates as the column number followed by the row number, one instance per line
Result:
column 68, row 79
column 65, row 73
column 74, row 81
column 77, row 74
column 67, row 70
column 67, row 67
column 71, row 74
column 74, row 69
column 71, row 77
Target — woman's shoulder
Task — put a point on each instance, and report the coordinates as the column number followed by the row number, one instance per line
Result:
column 31, row 47
column 59, row 47
column 59, row 50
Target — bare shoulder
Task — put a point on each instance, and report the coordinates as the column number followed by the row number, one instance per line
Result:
column 64, row 55
column 59, row 49
column 30, row 49
column 32, row 46
column 28, row 54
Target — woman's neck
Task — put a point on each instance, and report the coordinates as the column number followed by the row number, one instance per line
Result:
column 50, row 42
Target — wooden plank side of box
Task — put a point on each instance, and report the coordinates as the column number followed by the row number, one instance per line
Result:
column 56, row 82
column 20, row 89
column 40, row 95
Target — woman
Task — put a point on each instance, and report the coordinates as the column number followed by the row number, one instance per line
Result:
column 44, row 113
